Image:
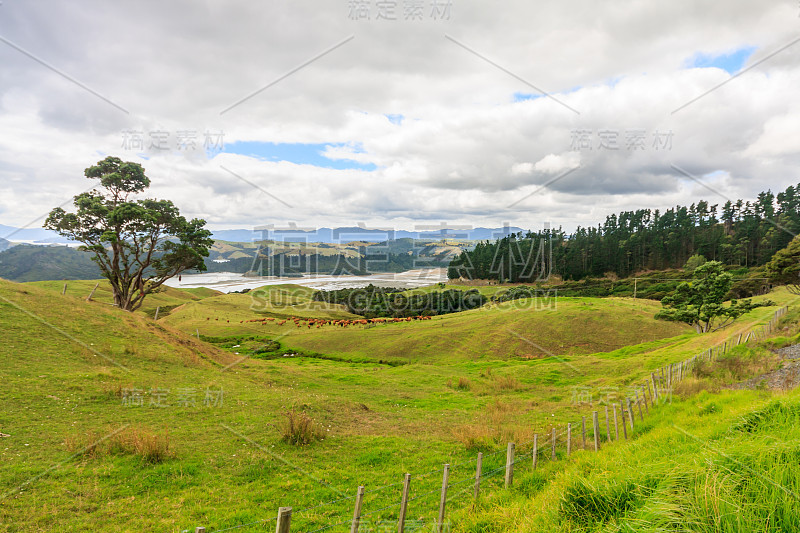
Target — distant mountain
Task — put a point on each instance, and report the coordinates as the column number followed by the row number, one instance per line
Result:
column 338, row 235
column 11, row 233
column 355, row 233
column 4, row 244
column 26, row 262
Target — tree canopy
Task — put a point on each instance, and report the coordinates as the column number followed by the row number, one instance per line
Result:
column 700, row 302
column 742, row 233
column 784, row 267
column 137, row 243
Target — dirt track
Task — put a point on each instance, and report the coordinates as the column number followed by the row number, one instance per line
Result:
column 785, row 378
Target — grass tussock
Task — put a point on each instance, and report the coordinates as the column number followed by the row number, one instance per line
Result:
column 585, row 503
column 462, row 384
column 504, row 383
column 739, row 364
column 299, row 428
column 150, row 446
column 497, row 425
column 691, row 386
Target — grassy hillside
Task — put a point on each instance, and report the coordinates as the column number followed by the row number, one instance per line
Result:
column 716, row 462
column 193, row 434
column 513, row 330
column 167, row 298
column 26, row 262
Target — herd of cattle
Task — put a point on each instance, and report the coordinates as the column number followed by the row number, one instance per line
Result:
column 319, row 322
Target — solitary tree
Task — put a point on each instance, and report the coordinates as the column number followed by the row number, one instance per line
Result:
column 700, row 302
column 137, row 243
column 784, row 267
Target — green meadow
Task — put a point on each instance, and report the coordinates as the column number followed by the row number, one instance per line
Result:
column 117, row 422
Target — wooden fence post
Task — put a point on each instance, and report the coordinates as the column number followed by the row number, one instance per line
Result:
column 478, row 473
column 510, row 465
column 443, row 501
column 535, row 449
column 639, row 404
column 357, row 510
column 596, row 431
column 655, row 388
column 401, row 520
column 630, row 414
column 583, row 432
column 644, row 397
column 553, row 456
column 199, row 529
column 624, row 424
column 284, row 520
column 89, row 299
column 608, row 426
column 569, row 439
column 64, row 291
column 616, row 425
column 157, row 310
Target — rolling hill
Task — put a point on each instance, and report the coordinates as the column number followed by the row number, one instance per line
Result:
column 25, row 262
column 148, row 428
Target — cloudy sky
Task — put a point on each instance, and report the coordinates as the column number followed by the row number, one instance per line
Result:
column 401, row 113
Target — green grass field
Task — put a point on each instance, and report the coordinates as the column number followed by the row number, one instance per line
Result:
column 75, row 372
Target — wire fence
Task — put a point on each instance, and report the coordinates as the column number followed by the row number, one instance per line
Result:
column 387, row 506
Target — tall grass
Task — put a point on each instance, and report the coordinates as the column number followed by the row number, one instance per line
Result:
column 299, row 428
column 150, row 446
column 716, row 462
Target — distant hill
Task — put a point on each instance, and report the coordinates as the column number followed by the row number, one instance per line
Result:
column 26, row 262
column 31, row 235
column 288, row 258
column 355, row 233
column 4, row 244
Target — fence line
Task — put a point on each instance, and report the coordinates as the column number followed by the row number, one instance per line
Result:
column 658, row 387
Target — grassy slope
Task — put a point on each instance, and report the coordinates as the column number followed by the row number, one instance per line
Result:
column 167, row 298
column 378, row 421
column 575, row 326
column 722, row 462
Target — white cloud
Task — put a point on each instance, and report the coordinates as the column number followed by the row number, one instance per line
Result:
column 465, row 150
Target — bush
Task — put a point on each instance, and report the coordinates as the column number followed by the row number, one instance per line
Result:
column 267, row 347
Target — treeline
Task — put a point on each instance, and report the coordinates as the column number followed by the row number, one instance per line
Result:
column 738, row 233
column 374, row 302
